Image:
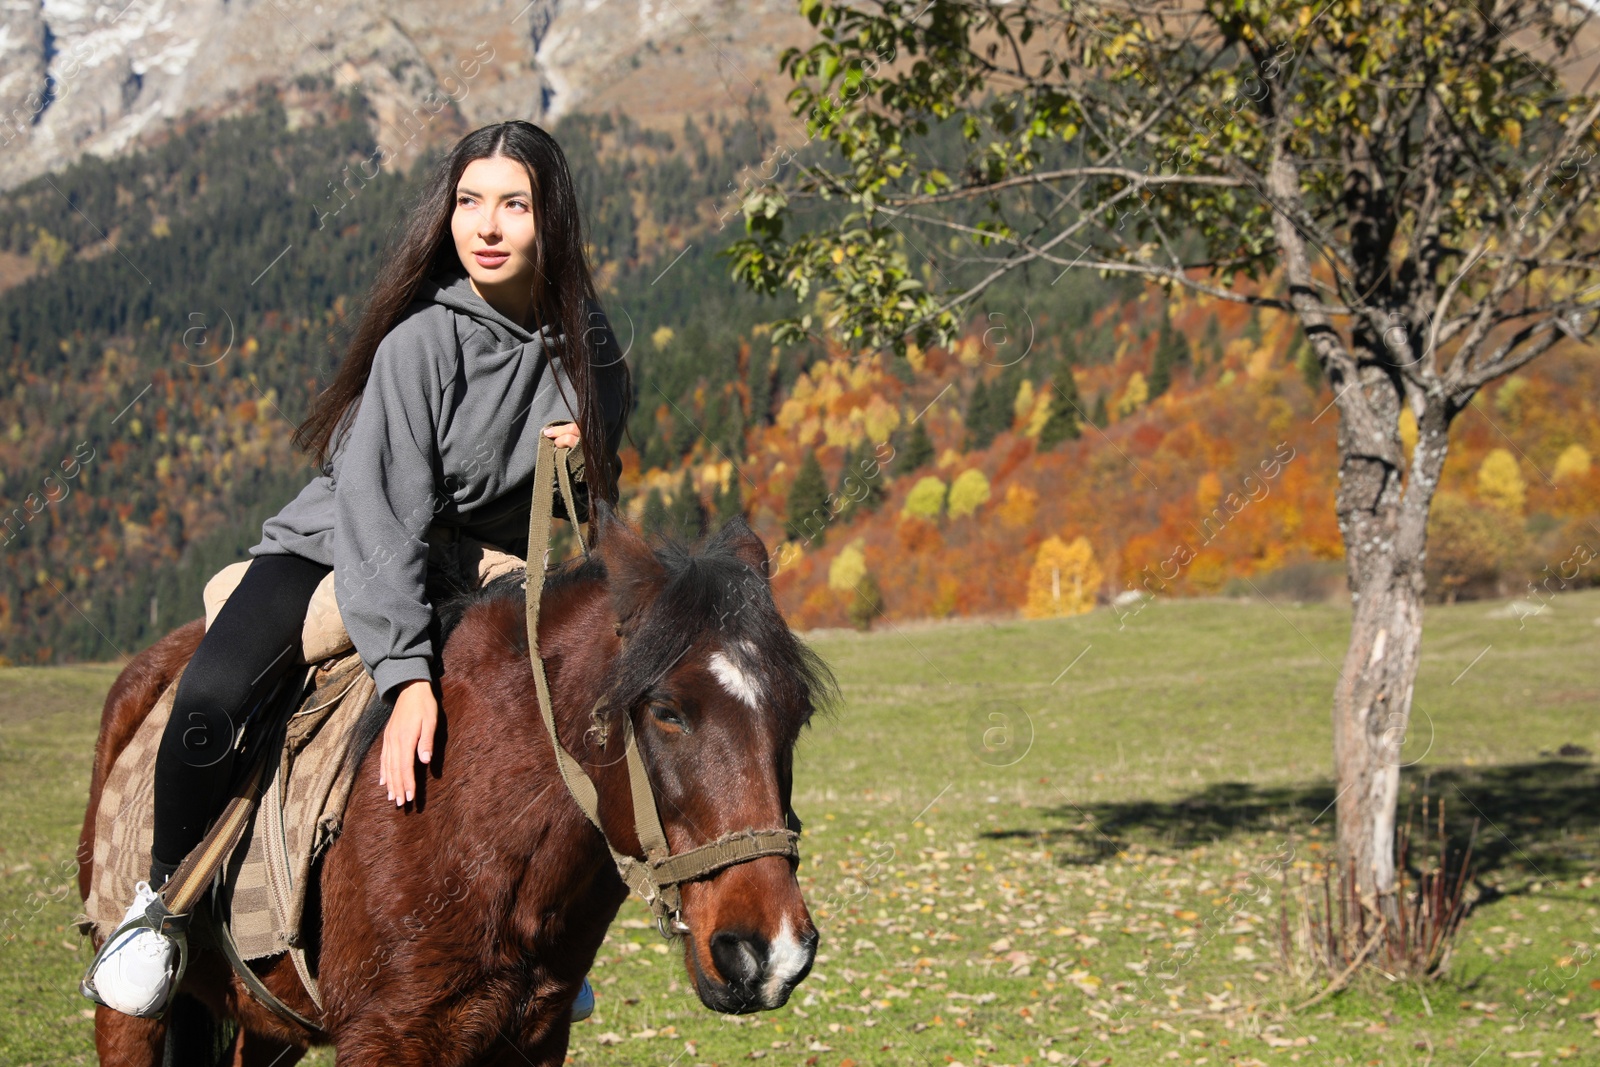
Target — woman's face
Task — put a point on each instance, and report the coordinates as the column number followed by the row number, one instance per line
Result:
column 494, row 232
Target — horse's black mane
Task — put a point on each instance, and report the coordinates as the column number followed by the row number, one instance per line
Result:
column 709, row 594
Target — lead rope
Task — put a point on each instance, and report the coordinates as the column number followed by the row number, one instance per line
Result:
column 655, row 878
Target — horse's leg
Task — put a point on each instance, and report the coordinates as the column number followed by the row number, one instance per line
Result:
column 255, row 1050
column 262, row 1037
column 126, row 1041
column 549, row 1051
column 541, row 1035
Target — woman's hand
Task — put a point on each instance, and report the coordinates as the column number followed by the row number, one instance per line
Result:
column 566, row 434
column 408, row 738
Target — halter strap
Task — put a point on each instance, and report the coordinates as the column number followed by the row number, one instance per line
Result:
column 657, row 876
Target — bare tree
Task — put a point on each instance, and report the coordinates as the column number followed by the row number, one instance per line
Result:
column 1414, row 180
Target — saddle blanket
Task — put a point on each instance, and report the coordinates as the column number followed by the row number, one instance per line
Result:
column 263, row 888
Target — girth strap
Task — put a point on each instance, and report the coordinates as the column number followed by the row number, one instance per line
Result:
column 657, row 876
column 224, row 939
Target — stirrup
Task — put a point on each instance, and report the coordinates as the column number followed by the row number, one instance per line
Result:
column 156, row 917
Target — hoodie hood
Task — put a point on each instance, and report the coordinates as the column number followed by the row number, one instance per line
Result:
column 453, row 289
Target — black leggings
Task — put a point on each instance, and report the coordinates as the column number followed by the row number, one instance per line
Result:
column 253, row 640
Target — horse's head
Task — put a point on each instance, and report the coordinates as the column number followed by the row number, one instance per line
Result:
column 717, row 689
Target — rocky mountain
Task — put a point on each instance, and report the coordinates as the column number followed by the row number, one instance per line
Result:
column 79, row 77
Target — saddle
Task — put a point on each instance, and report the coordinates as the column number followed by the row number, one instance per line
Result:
column 258, row 897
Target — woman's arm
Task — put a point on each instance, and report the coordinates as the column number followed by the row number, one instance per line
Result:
column 384, row 499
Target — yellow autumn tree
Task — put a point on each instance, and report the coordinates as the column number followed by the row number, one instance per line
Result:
column 968, row 492
column 1574, row 462
column 1135, row 396
column 1022, row 405
column 1500, row 482
column 1064, row 579
column 926, row 498
column 848, row 567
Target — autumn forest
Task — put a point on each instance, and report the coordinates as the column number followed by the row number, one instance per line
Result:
column 1087, row 443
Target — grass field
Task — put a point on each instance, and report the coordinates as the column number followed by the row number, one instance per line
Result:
column 1028, row 842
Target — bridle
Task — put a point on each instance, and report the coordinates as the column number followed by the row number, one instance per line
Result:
column 657, row 875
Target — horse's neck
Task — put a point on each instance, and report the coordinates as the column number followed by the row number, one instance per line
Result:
column 566, row 885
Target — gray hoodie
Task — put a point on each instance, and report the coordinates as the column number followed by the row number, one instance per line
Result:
column 446, row 432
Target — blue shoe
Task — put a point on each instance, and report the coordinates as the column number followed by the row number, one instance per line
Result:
column 583, row 1005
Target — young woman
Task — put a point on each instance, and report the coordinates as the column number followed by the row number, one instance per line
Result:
column 481, row 328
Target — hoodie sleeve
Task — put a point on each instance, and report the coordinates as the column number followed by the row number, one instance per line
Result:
column 384, row 500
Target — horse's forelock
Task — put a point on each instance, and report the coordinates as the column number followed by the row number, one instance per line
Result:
column 713, row 599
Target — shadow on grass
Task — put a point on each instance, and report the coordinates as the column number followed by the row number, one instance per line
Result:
column 1536, row 820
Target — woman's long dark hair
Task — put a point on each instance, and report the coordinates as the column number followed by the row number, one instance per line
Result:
column 562, row 283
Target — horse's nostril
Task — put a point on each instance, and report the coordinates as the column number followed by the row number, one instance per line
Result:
column 740, row 957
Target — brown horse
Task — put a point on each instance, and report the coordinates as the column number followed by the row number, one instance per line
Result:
column 456, row 931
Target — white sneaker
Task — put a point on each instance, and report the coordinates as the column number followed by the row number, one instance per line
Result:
column 135, row 972
column 583, row 1003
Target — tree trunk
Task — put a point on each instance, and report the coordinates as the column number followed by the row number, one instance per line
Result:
column 1371, row 708
column 1384, row 521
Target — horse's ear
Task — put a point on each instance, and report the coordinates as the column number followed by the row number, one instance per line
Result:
column 633, row 573
column 737, row 536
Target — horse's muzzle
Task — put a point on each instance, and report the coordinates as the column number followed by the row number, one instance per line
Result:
column 756, row 974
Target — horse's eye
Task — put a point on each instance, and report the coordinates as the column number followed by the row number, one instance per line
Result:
column 667, row 716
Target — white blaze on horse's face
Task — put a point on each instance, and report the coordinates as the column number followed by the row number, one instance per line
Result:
column 735, row 676
column 787, row 956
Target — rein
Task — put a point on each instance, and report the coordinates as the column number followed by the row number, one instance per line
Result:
column 657, row 876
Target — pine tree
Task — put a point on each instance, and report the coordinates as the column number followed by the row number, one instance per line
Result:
column 654, row 517
column 849, row 487
column 1066, row 407
column 918, row 448
column 730, row 501
column 1210, row 344
column 808, row 502
column 860, row 481
column 687, row 516
column 1172, row 350
column 872, row 476
column 1160, row 374
column 982, row 424
column 1098, row 416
